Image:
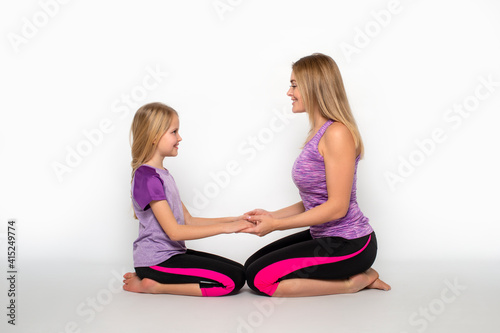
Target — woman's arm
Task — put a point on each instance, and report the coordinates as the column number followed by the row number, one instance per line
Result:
column 294, row 209
column 177, row 232
column 191, row 220
column 339, row 153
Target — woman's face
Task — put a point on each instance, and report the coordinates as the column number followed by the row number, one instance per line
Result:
column 294, row 93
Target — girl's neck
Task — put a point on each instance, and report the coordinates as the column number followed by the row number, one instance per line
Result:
column 156, row 162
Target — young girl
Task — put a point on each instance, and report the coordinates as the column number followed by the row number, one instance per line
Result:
column 162, row 262
column 335, row 254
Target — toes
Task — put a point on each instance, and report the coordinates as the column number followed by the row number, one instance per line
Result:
column 379, row 284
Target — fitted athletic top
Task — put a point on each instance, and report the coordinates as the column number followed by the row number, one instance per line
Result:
column 153, row 246
column 309, row 176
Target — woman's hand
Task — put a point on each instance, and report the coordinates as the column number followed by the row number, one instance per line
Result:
column 263, row 224
column 257, row 211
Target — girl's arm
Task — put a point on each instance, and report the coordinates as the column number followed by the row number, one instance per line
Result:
column 191, row 220
column 177, row 232
column 339, row 153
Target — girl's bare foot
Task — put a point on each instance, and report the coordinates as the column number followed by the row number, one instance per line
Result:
column 132, row 283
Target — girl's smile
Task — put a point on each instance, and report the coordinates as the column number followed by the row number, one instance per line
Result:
column 168, row 145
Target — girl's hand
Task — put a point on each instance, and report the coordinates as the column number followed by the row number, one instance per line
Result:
column 237, row 218
column 237, row 226
column 263, row 224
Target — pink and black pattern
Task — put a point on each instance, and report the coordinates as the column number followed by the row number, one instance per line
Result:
column 300, row 256
column 216, row 276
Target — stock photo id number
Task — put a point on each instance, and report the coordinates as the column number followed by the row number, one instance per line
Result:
column 11, row 272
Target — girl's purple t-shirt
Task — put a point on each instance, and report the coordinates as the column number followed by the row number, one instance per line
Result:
column 309, row 176
column 153, row 246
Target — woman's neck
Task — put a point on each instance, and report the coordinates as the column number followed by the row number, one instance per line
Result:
column 318, row 121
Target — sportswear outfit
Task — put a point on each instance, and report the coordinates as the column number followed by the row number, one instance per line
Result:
column 332, row 250
column 159, row 258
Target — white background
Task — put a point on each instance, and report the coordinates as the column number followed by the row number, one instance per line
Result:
column 226, row 71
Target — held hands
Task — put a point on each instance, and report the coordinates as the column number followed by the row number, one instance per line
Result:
column 236, row 226
column 259, row 222
column 257, row 211
column 263, row 222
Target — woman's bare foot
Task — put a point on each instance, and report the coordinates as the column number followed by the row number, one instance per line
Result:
column 134, row 284
column 369, row 280
column 379, row 284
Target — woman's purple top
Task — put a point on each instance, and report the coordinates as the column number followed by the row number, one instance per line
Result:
column 153, row 246
column 309, row 176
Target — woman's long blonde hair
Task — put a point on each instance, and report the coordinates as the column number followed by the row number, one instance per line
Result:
column 321, row 86
column 150, row 122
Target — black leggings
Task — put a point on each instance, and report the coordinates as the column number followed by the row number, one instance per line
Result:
column 217, row 276
column 301, row 256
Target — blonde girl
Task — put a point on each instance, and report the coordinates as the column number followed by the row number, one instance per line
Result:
column 163, row 264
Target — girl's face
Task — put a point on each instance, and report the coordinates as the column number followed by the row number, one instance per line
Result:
column 294, row 93
column 168, row 144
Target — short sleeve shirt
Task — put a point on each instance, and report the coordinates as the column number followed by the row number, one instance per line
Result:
column 153, row 246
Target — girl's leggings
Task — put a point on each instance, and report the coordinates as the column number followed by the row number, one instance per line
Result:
column 217, row 276
column 301, row 256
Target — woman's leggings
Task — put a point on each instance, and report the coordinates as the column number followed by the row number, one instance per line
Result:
column 216, row 276
column 301, row 256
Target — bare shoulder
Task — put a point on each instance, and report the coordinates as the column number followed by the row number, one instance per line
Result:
column 338, row 131
column 337, row 138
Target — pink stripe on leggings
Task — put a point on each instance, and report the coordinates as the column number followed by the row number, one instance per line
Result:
column 204, row 273
column 266, row 279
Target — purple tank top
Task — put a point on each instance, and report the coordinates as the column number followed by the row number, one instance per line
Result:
column 309, row 176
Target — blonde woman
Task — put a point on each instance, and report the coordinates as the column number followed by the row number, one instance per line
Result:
column 335, row 254
column 162, row 263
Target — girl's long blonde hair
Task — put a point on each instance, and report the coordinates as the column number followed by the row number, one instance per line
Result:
column 150, row 122
column 321, row 86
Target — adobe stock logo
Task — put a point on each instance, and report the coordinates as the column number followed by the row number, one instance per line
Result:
column 248, row 150
column 264, row 308
column 222, row 7
column 454, row 117
column 429, row 313
column 91, row 307
column 371, row 29
column 31, row 27
column 94, row 137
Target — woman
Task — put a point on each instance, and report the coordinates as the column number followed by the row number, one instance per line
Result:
column 335, row 255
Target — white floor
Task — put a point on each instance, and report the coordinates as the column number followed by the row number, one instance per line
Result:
column 426, row 297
